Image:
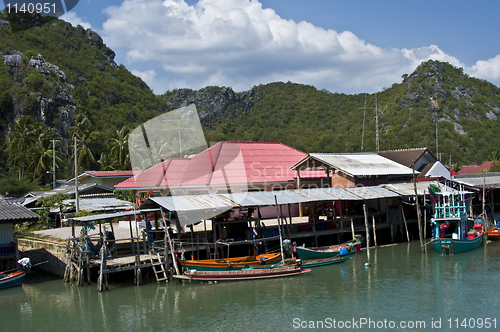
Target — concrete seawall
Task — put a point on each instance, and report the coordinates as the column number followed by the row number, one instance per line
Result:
column 40, row 251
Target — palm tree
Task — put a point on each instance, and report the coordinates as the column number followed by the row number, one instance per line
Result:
column 43, row 155
column 494, row 156
column 22, row 138
column 119, row 148
column 88, row 141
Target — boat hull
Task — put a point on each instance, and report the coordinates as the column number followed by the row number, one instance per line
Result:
column 235, row 263
column 12, row 279
column 324, row 252
column 246, row 274
column 322, row 262
column 454, row 246
column 494, row 234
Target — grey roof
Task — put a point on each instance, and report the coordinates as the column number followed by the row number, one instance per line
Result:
column 490, row 180
column 198, row 207
column 13, row 213
column 408, row 189
column 360, row 164
column 68, row 189
column 266, row 198
column 99, row 204
column 105, row 216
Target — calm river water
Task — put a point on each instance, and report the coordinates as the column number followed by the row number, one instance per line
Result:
column 402, row 289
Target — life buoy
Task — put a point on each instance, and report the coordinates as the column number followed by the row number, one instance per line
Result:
column 229, row 267
column 246, row 266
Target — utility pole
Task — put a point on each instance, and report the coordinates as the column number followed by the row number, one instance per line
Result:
column 363, row 132
column 179, row 130
column 54, row 163
column 77, row 199
column 376, row 124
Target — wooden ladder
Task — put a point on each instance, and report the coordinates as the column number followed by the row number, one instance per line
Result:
column 158, row 268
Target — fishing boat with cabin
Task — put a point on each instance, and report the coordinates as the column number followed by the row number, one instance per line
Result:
column 453, row 231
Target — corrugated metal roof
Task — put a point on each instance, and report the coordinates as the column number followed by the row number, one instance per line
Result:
column 69, row 189
column 13, row 213
column 265, row 198
column 488, row 180
column 192, row 208
column 408, row 189
column 105, row 216
column 99, row 204
column 362, row 164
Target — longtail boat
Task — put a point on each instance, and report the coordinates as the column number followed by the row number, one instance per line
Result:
column 328, row 251
column 322, row 262
column 244, row 274
column 234, row 263
column 453, row 232
column 11, row 279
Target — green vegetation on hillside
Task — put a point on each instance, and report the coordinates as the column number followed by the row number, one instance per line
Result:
column 61, row 82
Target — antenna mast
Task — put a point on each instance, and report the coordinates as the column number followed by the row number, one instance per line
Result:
column 376, row 122
column 363, row 132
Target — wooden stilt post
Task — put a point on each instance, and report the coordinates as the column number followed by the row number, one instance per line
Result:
column 341, row 230
column 170, row 244
column 367, row 232
column 352, row 228
column 419, row 213
column 392, row 233
column 314, row 225
column 374, row 231
column 406, row 225
column 279, row 229
column 102, row 282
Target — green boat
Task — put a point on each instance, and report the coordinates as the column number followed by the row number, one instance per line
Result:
column 328, row 251
column 453, row 231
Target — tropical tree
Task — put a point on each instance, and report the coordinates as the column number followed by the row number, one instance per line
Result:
column 22, row 138
column 494, row 155
column 43, row 155
column 119, row 148
column 88, row 141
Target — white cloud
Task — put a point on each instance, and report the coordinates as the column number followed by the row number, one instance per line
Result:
column 72, row 18
column 488, row 70
column 237, row 43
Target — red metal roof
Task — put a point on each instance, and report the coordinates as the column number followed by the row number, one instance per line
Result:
column 486, row 165
column 224, row 163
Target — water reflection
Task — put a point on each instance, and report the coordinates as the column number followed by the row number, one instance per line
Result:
column 401, row 283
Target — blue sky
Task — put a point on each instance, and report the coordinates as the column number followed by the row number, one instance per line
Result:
column 341, row 46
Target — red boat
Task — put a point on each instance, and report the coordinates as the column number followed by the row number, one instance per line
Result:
column 245, row 274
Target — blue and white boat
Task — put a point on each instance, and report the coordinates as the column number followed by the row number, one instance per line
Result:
column 11, row 279
column 453, row 231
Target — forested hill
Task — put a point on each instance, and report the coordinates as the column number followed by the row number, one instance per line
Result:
column 465, row 111
column 53, row 71
column 62, row 81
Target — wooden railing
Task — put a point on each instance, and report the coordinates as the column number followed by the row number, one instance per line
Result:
column 8, row 249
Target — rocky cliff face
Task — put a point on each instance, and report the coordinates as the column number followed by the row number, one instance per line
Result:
column 47, row 99
column 213, row 102
column 448, row 93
